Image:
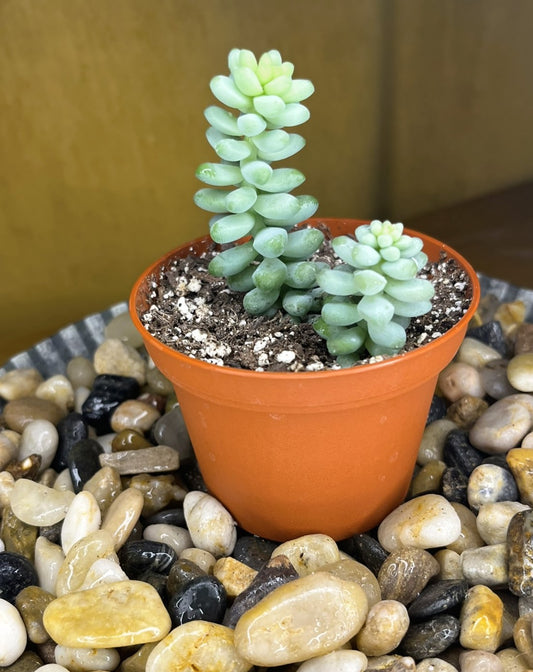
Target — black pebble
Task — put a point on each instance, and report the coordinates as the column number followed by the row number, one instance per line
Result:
column 366, row 549
column 253, row 551
column 458, row 452
column 454, row 485
column 431, row 638
column 204, row 598
column 437, row 410
column 137, row 557
column 83, row 462
column 438, row 597
column 70, row 429
column 491, row 334
column 108, row 392
column 16, row 573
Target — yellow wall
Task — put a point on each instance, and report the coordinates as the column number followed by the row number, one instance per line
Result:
column 419, row 104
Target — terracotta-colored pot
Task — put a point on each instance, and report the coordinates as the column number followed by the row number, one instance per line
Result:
column 296, row 453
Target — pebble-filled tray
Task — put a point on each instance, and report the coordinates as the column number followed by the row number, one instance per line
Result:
column 130, row 565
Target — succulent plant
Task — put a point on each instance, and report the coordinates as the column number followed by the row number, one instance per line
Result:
column 361, row 304
column 250, row 198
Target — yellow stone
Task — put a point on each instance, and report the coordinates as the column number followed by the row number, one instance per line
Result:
column 234, row 575
column 348, row 569
column 80, row 558
column 309, row 552
column 307, row 617
column 481, row 620
column 520, row 461
column 198, row 646
column 125, row 613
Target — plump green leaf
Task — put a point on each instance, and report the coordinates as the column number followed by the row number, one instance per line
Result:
column 268, row 106
column 271, row 241
column 338, row 283
column 241, row 199
column 283, row 179
column 376, row 309
column 226, row 91
column 222, row 120
column 219, row 174
column 301, row 274
column 243, row 281
column 293, row 114
column 257, row 301
column 276, row 206
column 401, row 269
column 271, row 141
column 256, row 172
column 233, row 260
column 270, row 274
column 410, row 308
column 230, row 149
column 230, row 228
column 278, row 86
column 295, row 144
column 303, row 243
column 247, row 81
column 392, row 335
column 346, row 340
column 369, row 282
column 307, row 206
column 297, row 303
column 340, row 313
column 212, row 200
column 417, row 289
column 251, row 124
column 411, row 247
column 300, row 89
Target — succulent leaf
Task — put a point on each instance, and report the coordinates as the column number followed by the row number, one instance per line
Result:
column 271, row 241
column 340, row 313
column 219, row 174
column 212, row 200
column 276, row 206
column 369, row 282
column 391, row 335
column 225, row 89
column 283, row 179
column 230, row 149
column 346, row 340
column 307, row 206
column 293, row 114
column 303, row 243
column 233, row 260
column 301, row 274
column 376, row 309
column 247, row 81
column 240, row 200
column 230, row 228
column 222, row 120
column 256, row 172
column 250, row 125
column 338, row 283
column 417, row 289
column 257, row 301
column 295, row 144
column 270, row 274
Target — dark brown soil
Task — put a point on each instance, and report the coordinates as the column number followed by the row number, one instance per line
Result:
column 197, row 314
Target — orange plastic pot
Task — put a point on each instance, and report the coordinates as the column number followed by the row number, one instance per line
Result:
column 295, row 453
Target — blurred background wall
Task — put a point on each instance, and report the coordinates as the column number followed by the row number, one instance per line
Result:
column 418, row 104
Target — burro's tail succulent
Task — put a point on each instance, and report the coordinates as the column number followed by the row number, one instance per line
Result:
column 250, row 198
column 371, row 296
column 360, row 305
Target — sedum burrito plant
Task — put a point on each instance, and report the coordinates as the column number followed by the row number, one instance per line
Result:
column 361, row 304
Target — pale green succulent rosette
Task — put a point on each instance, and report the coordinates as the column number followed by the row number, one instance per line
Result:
column 371, row 297
column 247, row 196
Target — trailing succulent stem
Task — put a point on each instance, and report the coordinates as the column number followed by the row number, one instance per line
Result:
column 364, row 302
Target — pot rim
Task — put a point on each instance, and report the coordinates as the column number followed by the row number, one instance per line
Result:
column 414, row 355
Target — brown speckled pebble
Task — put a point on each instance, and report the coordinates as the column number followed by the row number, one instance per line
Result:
column 405, row 573
column 19, row 383
column 20, row 412
column 31, row 603
column 466, row 410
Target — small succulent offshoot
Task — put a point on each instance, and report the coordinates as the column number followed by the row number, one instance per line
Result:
column 362, row 304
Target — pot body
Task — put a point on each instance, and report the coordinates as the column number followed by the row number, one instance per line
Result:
column 296, row 453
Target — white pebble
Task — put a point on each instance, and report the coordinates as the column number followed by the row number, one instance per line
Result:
column 476, row 353
column 493, row 520
column 432, row 444
column 57, row 389
column 309, row 552
column 49, row 558
column 64, row 481
column 52, row 667
column 19, row 383
column 435, row 665
column 428, row 521
column 343, row 660
column 122, row 327
column 458, row 379
column 87, row 659
column 13, row 636
column 210, row 524
column 37, row 504
column 80, row 395
column 176, row 537
column 8, row 449
column 486, row 565
column 39, row 437
column 103, row 570
column 83, row 517
column 204, row 559
column 503, row 425
column 7, row 483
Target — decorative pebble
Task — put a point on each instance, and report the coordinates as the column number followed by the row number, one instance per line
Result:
column 490, row 333
column 103, row 570
column 486, row 565
column 520, row 372
column 386, row 624
column 31, row 603
column 154, row 459
column 83, row 462
column 23, row 410
column 428, row 478
column 16, row 573
column 19, row 383
column 122, row 515
column 350, row 570
column 510, row 315
column 469, row 537
column 125, row 613
column 432, row 443
column 520, row 461
column 159, row 491
column 12, row 634
column 177, row 538
column 309, row 552
column 121, row 326
column 128, row 439
column 466, row 410
column 438, row 597
column 18, row 537
column 503, row 425
column 520, row 553
column 158, row 383
column 459, row 452
column 480, row 661
column 79, row 560
column 8, row 448
column 368, row 550
column 235, row 576
column 210, row 525
column 304, row 618
column 194, row 646
column 181, row 572
column 49, row 558
column 83, row 517
column 170, row 430
column 39, row 437
column 427, row 521
column 114, row 357
column 450, row 564
column 341, row 661
column 80, row 372
column 81, row 659
column 58, row 389
column 454, row 485
column 431, row 638
column 523, row 339
column 405, row 573
column 105, row 486
column 523, row 638
column 493, row 520
column 140, row 555
column 481, row 619
column 435, row 665
column 437, row 409
column 37, row 504
column 203, row 598
column 70, row 430
column 392, row 662
column 494, row 379
column 134, row 414
column 476, row 353
column 108, row 392
column 458, row 379
column 490, row 483
column 276, row 572
column 204, row 559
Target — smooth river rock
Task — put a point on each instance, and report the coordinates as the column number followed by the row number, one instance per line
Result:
column 304, row 618
column 503, row 425
column 125, row 613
